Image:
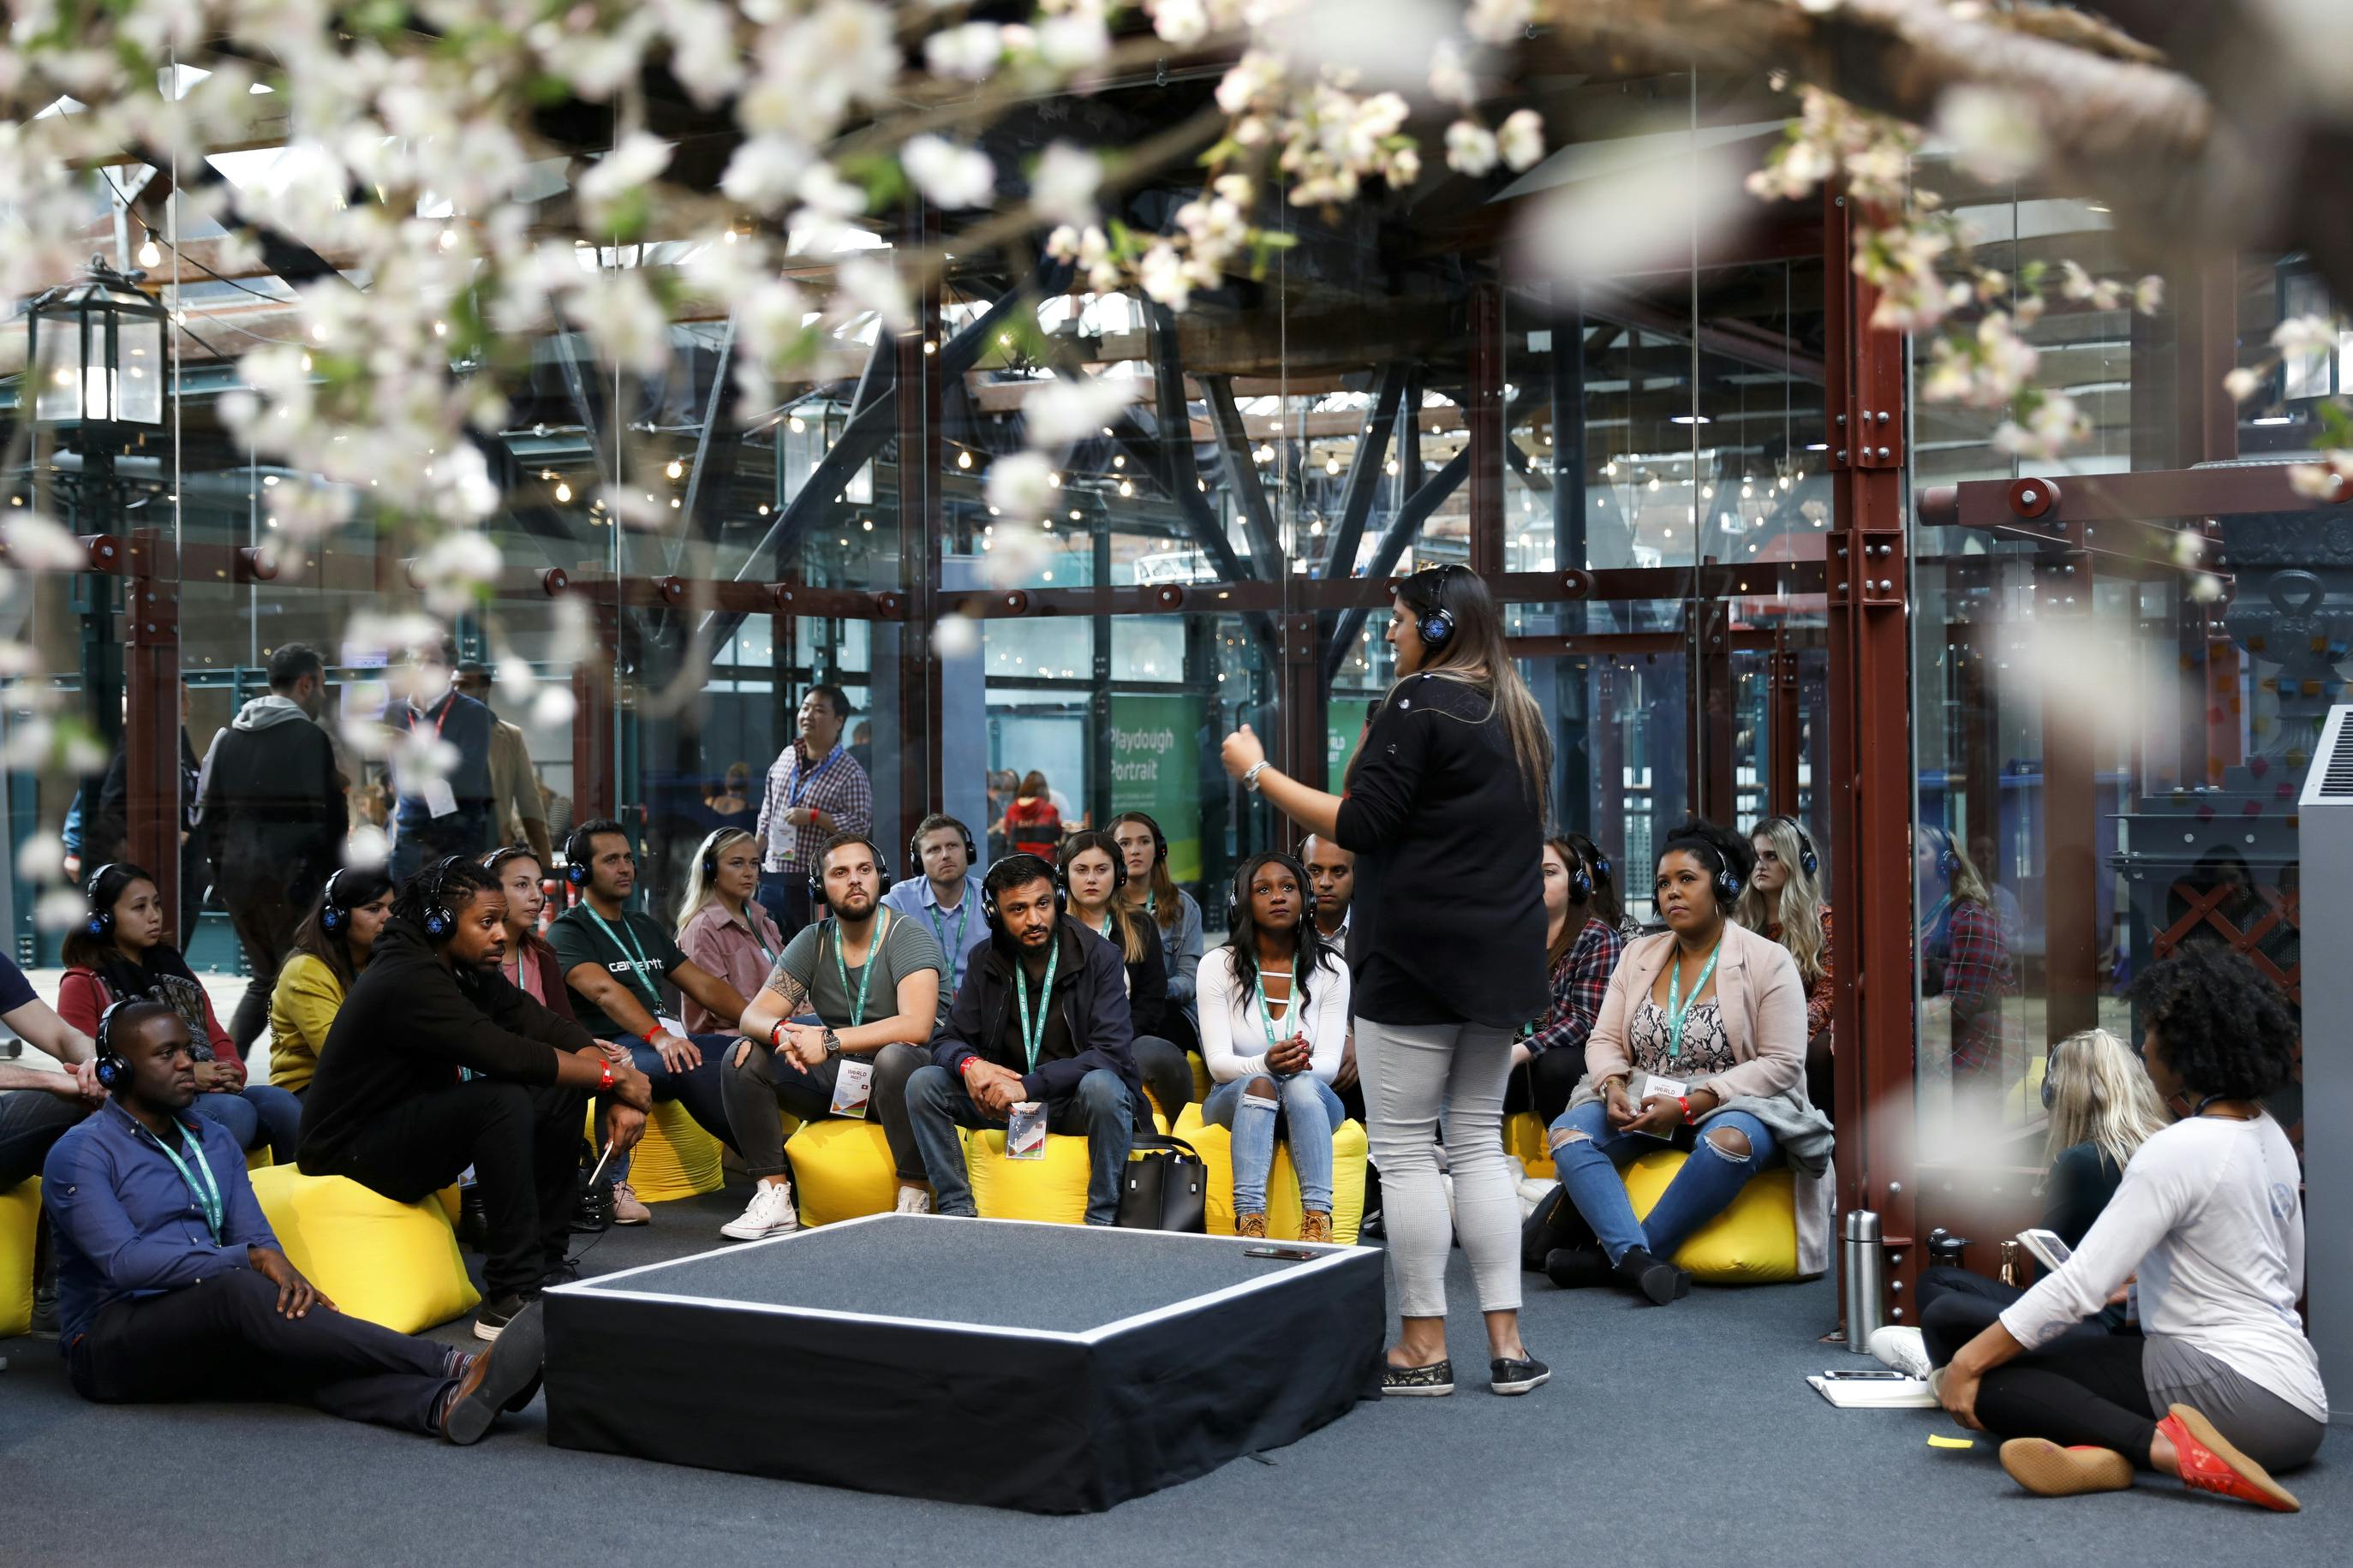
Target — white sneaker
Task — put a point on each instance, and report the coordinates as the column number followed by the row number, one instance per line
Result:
column 770, row 1213
column 915, row 1200
column 1900, row 1347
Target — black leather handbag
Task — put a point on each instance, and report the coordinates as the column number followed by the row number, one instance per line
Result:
column 1164, row 1187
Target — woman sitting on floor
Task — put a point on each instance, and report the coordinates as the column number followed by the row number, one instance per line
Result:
column 1274, row 1017
column 2209, row 1217
column 1092, row 874
column 1784, row 900
column 1719, row 1013
column 330, row 948
column 1582, row 946
column 119, row 954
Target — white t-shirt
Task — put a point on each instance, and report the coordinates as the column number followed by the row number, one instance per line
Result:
column 1233, row 1038
column 2209, row 1215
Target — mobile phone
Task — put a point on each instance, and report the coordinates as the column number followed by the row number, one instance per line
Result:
column 2048, row 1249
column 1867, row 1374
column 1289, row 1254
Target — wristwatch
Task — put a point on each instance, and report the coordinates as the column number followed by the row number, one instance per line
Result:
column 832, row 1044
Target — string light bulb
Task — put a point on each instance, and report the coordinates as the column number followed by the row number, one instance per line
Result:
column 676, row 469
column 562, row 492
column 150, row 254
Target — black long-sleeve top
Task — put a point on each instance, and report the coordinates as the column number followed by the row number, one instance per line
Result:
column 1448, row 922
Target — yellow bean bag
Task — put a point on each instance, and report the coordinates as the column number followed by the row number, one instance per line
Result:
column 1283, row 1211
column 2026, row 1094
column 1526, row 1140
column 1753, row 1242
column 1201, row 1081
column 1053, row 1188
column 675, row 1159
column 20, row 1217
column 390, row 1263
column 257, row 1158
column 842, row 1170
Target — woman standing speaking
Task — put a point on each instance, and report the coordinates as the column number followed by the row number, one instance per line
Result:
column 1444, row 811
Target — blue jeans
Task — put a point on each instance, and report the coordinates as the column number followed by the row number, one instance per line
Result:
column 1706, row 1184
column 1102, row 1109
column 1310, row 1113
column 263, row 1114
column 697, row 1089
column 785, row 895
column 463, row 832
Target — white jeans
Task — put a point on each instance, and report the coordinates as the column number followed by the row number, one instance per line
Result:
column 1415, row 1076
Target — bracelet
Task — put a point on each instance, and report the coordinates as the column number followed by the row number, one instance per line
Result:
column 1250, row 779
column 1685, row 1101
column 604, row 1077
column 652, row 1035
column 774, row 1030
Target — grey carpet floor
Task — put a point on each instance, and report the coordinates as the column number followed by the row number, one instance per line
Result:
column 1677, row 1435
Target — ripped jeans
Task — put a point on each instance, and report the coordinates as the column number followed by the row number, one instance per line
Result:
column 1703, row 1188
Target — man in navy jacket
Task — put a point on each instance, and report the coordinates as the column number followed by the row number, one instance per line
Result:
column 171, row 1285
column 1042, row 1017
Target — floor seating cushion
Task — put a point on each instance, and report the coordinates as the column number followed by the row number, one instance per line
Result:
column 1753, row 1242
column 20, row 1216
column 675, row 1159
column 842, row 1170
column 1052, row 1189
column 1526, row 1140
column 391, row 1263
column 1283, row 1210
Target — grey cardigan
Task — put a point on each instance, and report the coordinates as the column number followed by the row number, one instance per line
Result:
column 1764, row 1004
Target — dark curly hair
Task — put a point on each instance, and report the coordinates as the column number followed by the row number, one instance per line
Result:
column 2226, row 1029
column 1717, row 849
column 449, row 884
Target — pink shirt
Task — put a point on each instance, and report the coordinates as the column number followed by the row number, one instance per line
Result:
column 742, row 955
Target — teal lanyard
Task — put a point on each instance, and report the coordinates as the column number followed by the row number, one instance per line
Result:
column 627, row 941
column 865, row 975
column 1034, row 1039
column 209, row 1197
column 1266, row 1013
column 1105, row 926
column 940, row 931
column 1679, row 1010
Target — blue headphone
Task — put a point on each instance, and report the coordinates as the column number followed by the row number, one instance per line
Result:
column 1437, row 627
column 333, row 916
column 113, row 1072
column 1948, row 859
column 438, row 921
column 101, row 920
column 1807, row 860
column 575, row 859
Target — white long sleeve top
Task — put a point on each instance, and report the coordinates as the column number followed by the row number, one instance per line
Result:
column 1233, row 1038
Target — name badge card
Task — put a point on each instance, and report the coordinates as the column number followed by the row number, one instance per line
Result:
column 853, row 1088
column 1025, row 1131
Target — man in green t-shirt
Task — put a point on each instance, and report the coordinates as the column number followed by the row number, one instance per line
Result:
column 615, row 965
column 871, row 980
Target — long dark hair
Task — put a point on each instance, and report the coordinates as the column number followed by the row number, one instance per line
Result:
column 1167, row 903
column 95, row 950
column 1130, row 925
column 1582, row 909
column 353, row 887
column 1475, row 655
column 1605, row 902
column 1309, row 952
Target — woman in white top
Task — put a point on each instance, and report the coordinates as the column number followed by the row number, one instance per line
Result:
column 2224, row 1388
column 1274, row 1020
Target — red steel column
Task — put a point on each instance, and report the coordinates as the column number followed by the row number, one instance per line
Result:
column 1869, row 788
column 150, row 733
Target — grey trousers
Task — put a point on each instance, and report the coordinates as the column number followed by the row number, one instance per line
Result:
column 1417, row 1076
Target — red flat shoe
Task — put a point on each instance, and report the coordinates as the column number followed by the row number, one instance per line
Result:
column 2046, row 1469
column 2210, row 1463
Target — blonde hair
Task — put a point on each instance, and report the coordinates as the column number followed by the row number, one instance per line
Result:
column 702, row 886
column 1800, row 909
column 2100, row 1095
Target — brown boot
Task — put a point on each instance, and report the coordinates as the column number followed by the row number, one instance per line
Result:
column 1314, row 1226
column 1252, row 1225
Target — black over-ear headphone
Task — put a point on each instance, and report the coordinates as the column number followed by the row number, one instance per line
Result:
column 101, row 920
column 333, row 916
column 915, row 845
column 1031, row 872
column 1581, row 880
column 1726, row 881
column 1235, row 896
column 709, row 850
column 576, row 851
column 1437, row 626
column 1807, row 860
column 1948, row 859
column 113, row 1071
column 881, row 870
column 438, row 921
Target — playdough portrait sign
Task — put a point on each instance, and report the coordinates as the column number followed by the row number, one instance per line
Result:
column 1155, row 758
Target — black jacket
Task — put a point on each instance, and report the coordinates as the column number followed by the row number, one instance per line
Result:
column 1447, row 920
column 407, row 1028
column 1090, row 988
column 273, row 804
column 1147, row 983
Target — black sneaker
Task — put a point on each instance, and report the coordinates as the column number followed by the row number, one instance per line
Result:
column 496, row 1314
column 1436, row 1378
column 562, row 1272
column 1517, row 1376
column 45, row 1313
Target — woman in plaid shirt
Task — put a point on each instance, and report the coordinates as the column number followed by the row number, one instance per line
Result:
column 1965, row 964
column 1581, row 948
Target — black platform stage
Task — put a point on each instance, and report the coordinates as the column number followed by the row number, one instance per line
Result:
column 1046, row 1367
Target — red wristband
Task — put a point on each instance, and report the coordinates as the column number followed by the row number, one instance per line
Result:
column 774, row 1030
column 1685, row 1101
column 653, row 1034
column 605, row 1078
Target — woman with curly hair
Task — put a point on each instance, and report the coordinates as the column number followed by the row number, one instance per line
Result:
column 1784, row 900
column 2224, row 1388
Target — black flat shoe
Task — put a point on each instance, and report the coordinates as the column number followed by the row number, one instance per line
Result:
column 1434, row 1379
column 1577, row 1268
column 1517, row 1376
column 1657, row 1282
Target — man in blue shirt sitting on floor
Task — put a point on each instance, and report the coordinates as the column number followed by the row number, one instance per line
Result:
column 171, row 1285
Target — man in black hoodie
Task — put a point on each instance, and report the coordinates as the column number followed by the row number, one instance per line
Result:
column 387, row 1108
column 274, row 819
column 1042, row 1017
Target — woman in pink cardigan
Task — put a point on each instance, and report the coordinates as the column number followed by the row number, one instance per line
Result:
column 1701, row 1045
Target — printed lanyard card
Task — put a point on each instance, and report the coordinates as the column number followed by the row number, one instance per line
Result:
column 440, row 799
column 1025, row 1131
column 853, row 1088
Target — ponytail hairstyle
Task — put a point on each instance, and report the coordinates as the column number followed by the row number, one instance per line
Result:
column 1802, row 899
column 1475, row 655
